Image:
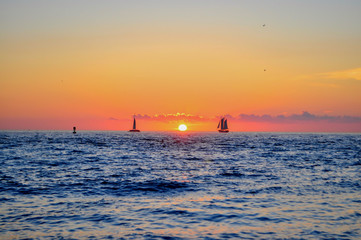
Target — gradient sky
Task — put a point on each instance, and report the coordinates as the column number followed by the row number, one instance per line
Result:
column 94, row 64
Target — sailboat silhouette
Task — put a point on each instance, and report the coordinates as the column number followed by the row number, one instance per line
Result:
column 134, row 129
column 223, row 125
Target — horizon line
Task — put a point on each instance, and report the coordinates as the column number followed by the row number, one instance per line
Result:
column 177, row 131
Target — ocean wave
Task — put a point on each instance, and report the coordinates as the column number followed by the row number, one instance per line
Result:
column 168, row 186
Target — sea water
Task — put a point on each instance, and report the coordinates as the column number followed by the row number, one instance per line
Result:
column 119, row 185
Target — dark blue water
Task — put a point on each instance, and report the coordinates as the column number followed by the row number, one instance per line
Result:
column 118, row 185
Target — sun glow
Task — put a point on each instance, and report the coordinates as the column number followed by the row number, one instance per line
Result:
column 182, row 127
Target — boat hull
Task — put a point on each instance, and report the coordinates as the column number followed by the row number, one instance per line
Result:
column 223, row 130
column 134, row 130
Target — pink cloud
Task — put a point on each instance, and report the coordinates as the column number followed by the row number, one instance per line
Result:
column 304, row 117
column 171, row 117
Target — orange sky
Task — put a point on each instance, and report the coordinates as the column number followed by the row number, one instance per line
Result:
column 84, row 63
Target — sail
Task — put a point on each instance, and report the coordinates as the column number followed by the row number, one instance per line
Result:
column 222, row 123
column 225, row 124
column 219, row 124
column 134, row 124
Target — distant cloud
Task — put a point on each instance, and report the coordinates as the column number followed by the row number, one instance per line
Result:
column 346, row 74
column 171, row 117
column 305, row 116
column 113, row 119
column 349, row 74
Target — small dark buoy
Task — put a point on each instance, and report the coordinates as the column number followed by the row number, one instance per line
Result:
column 74, row 130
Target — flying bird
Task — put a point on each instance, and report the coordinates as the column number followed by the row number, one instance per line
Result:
column 263, row 25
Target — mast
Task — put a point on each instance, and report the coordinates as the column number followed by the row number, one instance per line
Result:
column 134, row 124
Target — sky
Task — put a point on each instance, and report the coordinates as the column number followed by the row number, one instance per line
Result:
column 277, row 65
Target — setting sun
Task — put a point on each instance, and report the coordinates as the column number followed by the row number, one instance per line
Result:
column 182, row 127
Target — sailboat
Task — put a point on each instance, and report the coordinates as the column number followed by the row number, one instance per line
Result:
column 134, row 127
column 223, row 125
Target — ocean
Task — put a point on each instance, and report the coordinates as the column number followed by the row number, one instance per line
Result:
column 170, row 185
